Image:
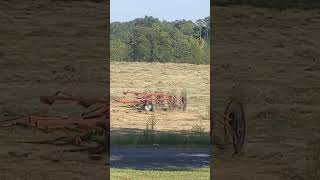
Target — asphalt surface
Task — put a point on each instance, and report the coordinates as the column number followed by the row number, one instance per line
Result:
column 155, row 157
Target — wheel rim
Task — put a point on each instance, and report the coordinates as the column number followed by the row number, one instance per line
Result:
column 172, row 101
column 183, row 101
column 235, row 112
column 148, row 107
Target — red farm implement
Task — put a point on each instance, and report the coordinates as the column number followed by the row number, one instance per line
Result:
column 94, row 121
column 149, row 100
column 233, row 119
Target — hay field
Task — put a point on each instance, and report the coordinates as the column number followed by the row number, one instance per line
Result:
column 169, row 77
column 48, row 46
column 270, row 60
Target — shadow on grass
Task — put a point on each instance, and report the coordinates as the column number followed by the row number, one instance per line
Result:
column 138, row 137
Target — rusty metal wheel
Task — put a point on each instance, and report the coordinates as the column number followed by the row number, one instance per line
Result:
column 236, row 128
column 183, row 100
column 172, row 101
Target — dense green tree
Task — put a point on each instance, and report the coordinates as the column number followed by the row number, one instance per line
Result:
column 119, row 50
column 139, row 43
column 186, row 27
column 150, row 40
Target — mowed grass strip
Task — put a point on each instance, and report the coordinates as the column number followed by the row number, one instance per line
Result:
column 150, row 136
column 163, row 174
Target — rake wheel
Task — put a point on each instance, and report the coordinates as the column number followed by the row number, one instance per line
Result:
column 235, row 112
column 183, row 101
column 172, row 101
column 148, row 107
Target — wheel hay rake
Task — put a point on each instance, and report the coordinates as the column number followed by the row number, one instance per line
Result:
column 234, row 125
column 233, row 118
column 94, row 121
column 148, row 100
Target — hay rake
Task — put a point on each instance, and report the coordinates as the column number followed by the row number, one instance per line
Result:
column 97, row 120
column 148, row 100
column 93, row 121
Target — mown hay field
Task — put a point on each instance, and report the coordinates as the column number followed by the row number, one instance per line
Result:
column 167, row 78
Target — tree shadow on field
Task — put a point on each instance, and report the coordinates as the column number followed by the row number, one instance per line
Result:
column 151, row 137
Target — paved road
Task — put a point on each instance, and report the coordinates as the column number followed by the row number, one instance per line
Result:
column 153, row 157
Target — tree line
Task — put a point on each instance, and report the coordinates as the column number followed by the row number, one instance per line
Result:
column 148, row 39
column 274, row 4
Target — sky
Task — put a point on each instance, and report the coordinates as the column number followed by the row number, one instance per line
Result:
column 169, row 10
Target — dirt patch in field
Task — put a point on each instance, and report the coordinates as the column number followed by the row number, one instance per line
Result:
column 270, row 60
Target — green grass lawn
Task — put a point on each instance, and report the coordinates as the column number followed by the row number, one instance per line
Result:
column 161, row 174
